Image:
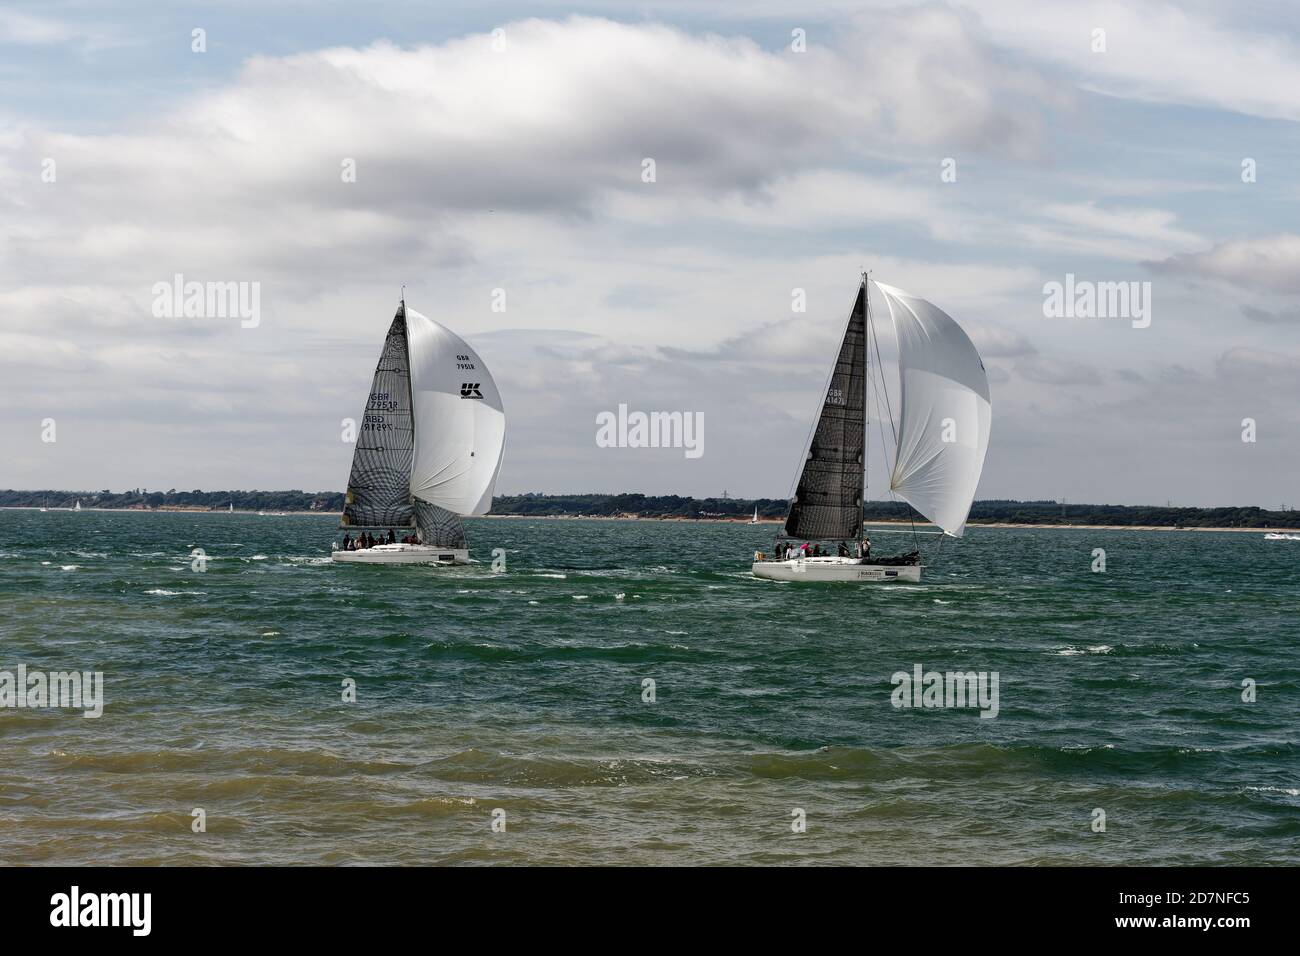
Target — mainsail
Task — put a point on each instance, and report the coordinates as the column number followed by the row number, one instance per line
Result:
column 432, row 438
column 828, row 499
column 379, row 487
column 944, row 412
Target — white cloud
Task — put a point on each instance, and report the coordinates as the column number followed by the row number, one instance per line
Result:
column 1221, row 56
column 37, row 30
column 521, row 170
column 1155, row 226
column 998, row 341
column 1226, row 56
column 27, row 28
column 1269, row 263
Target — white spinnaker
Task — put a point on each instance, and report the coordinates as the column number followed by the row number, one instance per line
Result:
column 459, row 437
column 944, row 411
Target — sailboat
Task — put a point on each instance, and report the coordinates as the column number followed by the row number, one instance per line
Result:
column 939, row 442
column 429, row 449
column 754, row 520
column 78, row 506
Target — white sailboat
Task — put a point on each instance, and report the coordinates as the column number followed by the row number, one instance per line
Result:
column 754, row 520
column 429, row 449
column 78, row 505
column 939, row 443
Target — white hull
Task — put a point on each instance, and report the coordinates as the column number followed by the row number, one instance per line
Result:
column 835, row 569
column 403, row 554
column 1274, row 536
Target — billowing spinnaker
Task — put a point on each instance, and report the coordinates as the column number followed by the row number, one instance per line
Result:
column 944, row 411
column 460, row 428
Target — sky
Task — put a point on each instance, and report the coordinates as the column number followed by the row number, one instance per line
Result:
column 491, row 158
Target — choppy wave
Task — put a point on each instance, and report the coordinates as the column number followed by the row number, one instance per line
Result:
column 477, row 691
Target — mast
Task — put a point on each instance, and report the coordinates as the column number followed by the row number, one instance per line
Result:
column 866, row 398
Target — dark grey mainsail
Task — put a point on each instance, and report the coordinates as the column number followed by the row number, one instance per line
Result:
column 379, row 487
column 827, row 503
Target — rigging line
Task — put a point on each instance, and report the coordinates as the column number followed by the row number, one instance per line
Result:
column 892, row 427
column 866, row 399
column 884, row 445
column 873, row 391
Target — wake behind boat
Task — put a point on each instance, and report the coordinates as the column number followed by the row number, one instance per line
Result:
column 939, row 444
column 428, row 451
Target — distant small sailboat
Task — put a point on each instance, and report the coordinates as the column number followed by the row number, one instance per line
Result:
column 43, row 508
column 1277, row 536
column 232, row 508
column 78, row 506
column 940, row 441
column 430, row 447
column 754, row 520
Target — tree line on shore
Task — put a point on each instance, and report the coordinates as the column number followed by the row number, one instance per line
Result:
column 668, row 506
column 143, row 499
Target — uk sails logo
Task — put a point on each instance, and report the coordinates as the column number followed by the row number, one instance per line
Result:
column 470, row 390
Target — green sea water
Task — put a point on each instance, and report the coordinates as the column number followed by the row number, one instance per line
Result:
column 522, row 691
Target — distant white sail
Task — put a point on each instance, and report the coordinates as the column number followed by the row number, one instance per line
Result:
column 461, row 424
column 944, row 413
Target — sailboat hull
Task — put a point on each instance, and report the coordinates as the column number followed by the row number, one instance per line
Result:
column 403, row 554
column 827, row 570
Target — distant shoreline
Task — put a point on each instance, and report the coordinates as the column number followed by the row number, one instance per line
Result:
column 919, row 525
column 870, row 523
column 989, row 512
